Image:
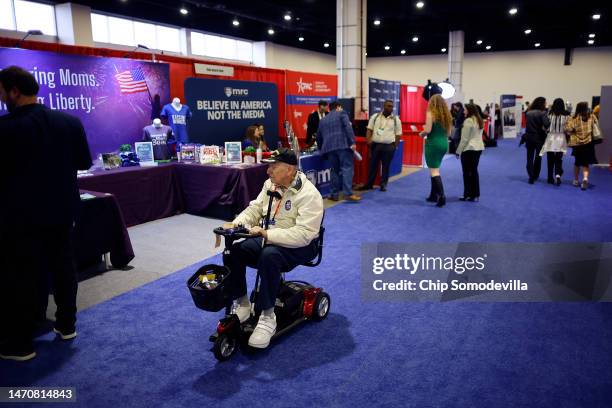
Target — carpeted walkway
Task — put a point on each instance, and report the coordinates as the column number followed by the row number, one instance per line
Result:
column 149, row 347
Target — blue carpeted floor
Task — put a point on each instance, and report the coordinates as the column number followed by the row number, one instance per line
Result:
column 149, row 347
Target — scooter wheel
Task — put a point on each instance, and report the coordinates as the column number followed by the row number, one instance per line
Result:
column 224, row 347
column 321, row 307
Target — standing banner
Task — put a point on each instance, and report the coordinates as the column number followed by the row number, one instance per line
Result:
column 380, row 90
column 304, row 91
column 223, row 109
column 508, row 116
column 113, row 97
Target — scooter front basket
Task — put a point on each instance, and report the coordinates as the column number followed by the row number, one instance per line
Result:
column 207, row 287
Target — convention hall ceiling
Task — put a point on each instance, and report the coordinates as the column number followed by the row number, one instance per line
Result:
column 401, row 25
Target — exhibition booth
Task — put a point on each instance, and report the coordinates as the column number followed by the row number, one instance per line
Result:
column 205, row 109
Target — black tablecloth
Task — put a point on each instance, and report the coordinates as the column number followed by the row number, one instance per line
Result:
column 144, row 193
column 100, row 229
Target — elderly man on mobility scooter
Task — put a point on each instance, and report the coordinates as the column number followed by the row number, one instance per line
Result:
column 294, row 224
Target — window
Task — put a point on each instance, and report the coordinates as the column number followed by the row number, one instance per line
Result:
column 221, row 47
column 244, row 51
column 144, row 34
column 35, row 16
column 168, row 38
column 99, row 28
column 121, row 31
column 6, row 15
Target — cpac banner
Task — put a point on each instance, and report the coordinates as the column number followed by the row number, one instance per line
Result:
column 304, row 91
column 380, row 90
column 113, row 97
column 509, row 119
column 223, row 109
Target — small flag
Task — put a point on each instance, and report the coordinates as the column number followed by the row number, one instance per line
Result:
column 132, row 81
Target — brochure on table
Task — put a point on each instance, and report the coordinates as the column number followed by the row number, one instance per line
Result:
column 144, row 151
column 233, row 151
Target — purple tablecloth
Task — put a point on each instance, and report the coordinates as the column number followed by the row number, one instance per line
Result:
column 149, row 193
column 207, row 189
column 144, row 193
column 100, row 229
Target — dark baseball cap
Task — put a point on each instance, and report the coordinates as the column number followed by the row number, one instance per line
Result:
column 282, row 155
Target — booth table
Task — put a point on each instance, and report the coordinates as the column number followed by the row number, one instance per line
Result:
column 100, row 230
column 150, row 193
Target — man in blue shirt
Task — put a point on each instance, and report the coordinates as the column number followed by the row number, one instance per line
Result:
column 336, row 141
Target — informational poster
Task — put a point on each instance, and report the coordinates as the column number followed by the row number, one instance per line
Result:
column 380, row 90
column 113, row 97
column 304, row 91
column 223, row 109
column 233, row 152
column 508, row 116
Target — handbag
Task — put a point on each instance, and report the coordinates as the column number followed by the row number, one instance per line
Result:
column 597, row 136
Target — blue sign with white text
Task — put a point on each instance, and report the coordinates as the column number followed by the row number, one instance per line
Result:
column 223, row 109
column 379, row 91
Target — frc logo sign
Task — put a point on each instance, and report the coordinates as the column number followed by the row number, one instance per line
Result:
column 303, row 86
column 232, row 91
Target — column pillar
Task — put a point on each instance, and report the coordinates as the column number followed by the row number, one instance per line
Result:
column 456, row 43
column 351, row 34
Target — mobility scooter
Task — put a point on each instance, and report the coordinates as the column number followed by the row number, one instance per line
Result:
column 296, row 301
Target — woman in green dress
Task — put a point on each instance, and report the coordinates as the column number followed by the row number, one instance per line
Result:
column 438, row 127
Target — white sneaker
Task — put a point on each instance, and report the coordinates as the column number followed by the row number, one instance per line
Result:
column 243, row 312
column 265, row 329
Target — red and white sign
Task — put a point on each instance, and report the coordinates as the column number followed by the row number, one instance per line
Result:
column 304, row 90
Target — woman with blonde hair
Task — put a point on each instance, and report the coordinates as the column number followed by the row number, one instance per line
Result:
column 438, row 127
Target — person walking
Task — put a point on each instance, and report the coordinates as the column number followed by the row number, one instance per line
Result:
column 555, row 144
column 535, row 135
column 580, row 129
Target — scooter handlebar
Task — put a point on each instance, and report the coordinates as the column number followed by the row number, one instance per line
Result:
column 237, row 232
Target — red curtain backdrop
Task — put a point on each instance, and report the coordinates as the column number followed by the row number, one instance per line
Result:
column 413, row 106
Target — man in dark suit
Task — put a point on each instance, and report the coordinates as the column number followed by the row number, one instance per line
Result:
column 313, row 122
column 37, row 212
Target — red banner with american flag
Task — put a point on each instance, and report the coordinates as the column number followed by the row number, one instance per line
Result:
column 132, row 81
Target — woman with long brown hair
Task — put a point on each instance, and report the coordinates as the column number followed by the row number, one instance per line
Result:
column 438, row 127
column 254, row 137
column 470, row 147
column 580, row 130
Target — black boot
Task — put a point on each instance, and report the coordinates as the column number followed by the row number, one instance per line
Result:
column 433, row 195
column 440, row 190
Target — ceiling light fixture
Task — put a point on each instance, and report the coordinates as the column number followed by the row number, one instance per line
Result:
column 528, row 31
column 443, row 50
column 236, row 23
column 326, row 45
column 301, row 39
column 596, row 16
column 287, row 17
column 270, row 31
column 415, row 39
column 513, row 11
column 537, row 45
column 184, row 11
column 420, row 4
column 591, row 42
column 488, row 47
column 479, row 42
column 402, row 52
column 387, row 48
column 377, row 22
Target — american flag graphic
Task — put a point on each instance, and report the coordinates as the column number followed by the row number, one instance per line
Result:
column 132, row 81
